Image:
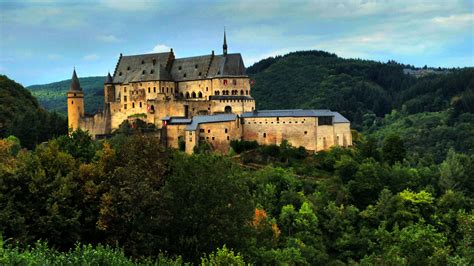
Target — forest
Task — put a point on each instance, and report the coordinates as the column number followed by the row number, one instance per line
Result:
column 401, row 195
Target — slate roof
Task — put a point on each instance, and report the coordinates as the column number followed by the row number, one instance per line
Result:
column 109, row 79
column 163, row 66
column 204, row 119
column 338, row 118
column 75, row 85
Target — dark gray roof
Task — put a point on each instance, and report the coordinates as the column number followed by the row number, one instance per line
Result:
column 230, row 97
column 143, row 67
column 203, row 119
column 109, row 79
column 338, row 118
column 75, row 86
column 163, row 66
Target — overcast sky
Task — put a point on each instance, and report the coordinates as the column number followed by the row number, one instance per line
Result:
column 41, row 41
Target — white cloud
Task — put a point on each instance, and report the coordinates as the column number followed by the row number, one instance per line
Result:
column 129, row 5
column 109, row 38
column 54, row 56
column 90, row 57
column 160, row 48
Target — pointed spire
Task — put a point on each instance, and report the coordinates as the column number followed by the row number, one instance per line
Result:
column 224, row 47
column 75, row 86
column 109, row 79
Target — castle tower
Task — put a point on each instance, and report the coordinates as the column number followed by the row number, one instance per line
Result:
column 224, row 46
column 109, row 92
column 75, row 102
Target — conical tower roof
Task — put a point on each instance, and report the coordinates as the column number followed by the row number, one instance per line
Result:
column 75, row 86
column 109, row 79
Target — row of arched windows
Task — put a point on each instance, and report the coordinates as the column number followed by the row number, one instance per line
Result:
column 193, row 95
column 232, row 92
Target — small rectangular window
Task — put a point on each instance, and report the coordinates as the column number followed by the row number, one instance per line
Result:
column 125, row 106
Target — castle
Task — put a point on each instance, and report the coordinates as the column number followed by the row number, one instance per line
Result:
column 200, row 99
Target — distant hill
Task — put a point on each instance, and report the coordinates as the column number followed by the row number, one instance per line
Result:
column 22, row 116
column 431, row 112
column 52, row 96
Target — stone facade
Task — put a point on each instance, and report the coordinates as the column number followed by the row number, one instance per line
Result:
column 200, row 99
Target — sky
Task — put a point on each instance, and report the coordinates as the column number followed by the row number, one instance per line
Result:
column 42, row 41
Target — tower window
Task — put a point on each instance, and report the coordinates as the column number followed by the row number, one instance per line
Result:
column 143, row 72
column 184, row 75
column 226, row 130
column 264, row 135
column 195, row 66
column 120, row 73
column 179, row 68
column 154, row 89
column 152, row 71
column 133, row 105
column 143, row 62
column 154, row 61
column 125, row 106
column 72, row 102
column 200, row 73
column 140, row 104
column 149, row 90
column 128, row 68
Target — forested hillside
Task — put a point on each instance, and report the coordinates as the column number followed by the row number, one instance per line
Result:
column 52, row 96
column 22, row 116
column 432, row 114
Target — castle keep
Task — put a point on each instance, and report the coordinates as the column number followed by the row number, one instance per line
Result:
column 200, row 99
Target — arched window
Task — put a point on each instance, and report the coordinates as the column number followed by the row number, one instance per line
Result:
column 246, row 92
column 228, row 109
column 241, row 92
column 152, row 109
column 149, row 89
column 187, row 95
column 264, row 135
column 181, row 95
column 200, row 95
column 216, row 92
column 193, row 95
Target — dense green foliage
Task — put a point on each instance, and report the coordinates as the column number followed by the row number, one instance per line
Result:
column 279, row 205
column 52, row 96
column 21, row 116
